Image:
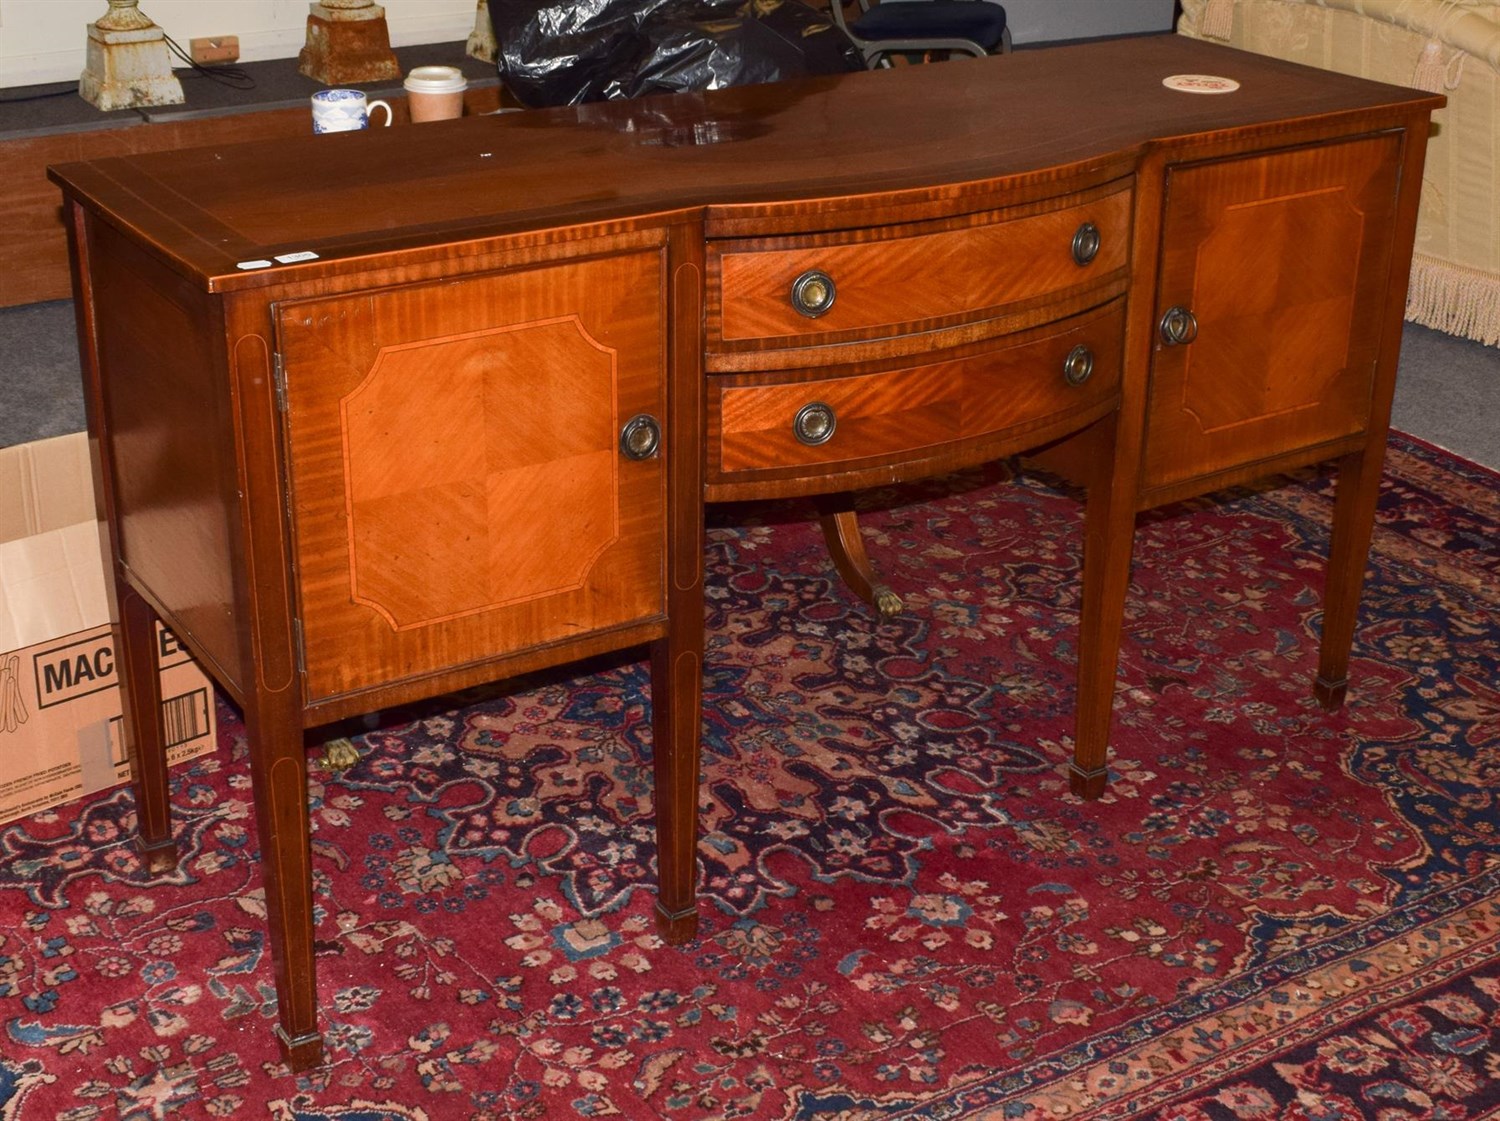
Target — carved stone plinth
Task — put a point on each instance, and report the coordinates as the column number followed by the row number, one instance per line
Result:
column 127, row 63
column 347, row 41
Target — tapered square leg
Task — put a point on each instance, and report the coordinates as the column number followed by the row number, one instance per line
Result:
column 1358, row 491
column 145, row 738
column 676, row 700
column 278, row 767
column 677, row 659
column 1108, row 536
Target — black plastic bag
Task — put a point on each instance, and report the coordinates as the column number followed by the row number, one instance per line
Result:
column 563, row 52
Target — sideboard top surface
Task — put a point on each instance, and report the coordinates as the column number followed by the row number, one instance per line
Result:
column 1029, row 114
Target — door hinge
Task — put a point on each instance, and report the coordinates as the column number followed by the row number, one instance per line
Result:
column 279, row 374
column 298, row 642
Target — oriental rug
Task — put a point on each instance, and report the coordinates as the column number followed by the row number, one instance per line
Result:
column 1273, row 913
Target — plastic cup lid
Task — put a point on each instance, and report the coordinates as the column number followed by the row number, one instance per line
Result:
column 436, row 79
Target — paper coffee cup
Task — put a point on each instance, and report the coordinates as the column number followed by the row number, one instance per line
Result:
column 435, row 93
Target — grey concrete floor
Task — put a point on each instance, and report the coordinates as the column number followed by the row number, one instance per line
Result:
column 1448, row 393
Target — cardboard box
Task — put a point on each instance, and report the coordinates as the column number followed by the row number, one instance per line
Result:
column 60, row 726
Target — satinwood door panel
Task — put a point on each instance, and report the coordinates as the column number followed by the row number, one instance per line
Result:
column 1281, row 261
column 458, row 490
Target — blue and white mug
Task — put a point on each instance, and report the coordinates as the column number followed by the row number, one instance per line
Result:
column 344, row 110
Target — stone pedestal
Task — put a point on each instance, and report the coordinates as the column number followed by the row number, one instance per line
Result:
column 347, row 41
column 127, row 64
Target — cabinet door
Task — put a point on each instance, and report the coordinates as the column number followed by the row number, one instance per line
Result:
column 1282, row 260
column 458, row 490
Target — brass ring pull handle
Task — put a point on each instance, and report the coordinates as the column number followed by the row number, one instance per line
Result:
column 1178, row 326
column 1078, row 366
column 641, row 437
column 1086, row 243
column 814, row 424
column 813, row 293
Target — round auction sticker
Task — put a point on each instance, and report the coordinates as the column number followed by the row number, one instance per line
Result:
column 1200, row 83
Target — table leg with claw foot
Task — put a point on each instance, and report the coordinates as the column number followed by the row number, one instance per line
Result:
column 846, row 547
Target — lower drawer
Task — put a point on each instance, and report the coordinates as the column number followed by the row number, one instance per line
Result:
column 769, row 426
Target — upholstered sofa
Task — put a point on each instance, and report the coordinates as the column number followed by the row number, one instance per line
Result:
column 1452, row 46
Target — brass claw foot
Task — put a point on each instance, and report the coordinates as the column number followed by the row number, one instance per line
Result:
column 846, row 548
column 340, row 754
column 887, row 603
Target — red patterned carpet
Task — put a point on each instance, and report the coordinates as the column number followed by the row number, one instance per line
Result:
column 1274, row 913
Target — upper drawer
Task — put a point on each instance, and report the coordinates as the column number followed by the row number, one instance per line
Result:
column 792, row 292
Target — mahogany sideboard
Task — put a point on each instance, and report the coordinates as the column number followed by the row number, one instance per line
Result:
column 380, row 415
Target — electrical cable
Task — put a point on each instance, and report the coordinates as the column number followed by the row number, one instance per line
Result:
column 231, row 76
column 70, row 87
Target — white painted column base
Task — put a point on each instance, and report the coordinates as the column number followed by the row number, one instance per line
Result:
column 127, row 69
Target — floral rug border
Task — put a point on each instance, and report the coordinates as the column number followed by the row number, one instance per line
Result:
column 1243, row 1021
